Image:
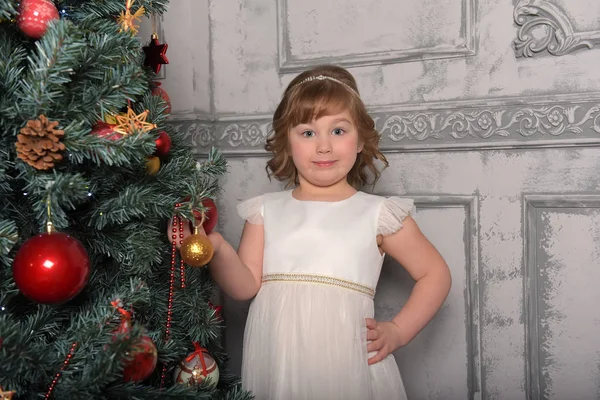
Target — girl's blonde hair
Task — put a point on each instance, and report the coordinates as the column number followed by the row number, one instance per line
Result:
column 308, row 98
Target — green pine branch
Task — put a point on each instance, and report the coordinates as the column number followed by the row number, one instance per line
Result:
column 84, row 146
column 8, row 9
column 8, row 238
column 83, row 11
column 50, row 68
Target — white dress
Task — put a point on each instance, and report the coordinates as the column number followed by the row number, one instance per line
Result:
column 305, row 336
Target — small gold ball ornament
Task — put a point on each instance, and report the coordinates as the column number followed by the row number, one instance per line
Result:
column 196, row 250
column 152, row 165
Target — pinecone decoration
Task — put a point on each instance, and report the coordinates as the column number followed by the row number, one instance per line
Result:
column 38, row 143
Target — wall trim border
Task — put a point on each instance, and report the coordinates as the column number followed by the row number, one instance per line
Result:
column 469, row 32
column 571, row 120
column 532, row 204
column 473, row 273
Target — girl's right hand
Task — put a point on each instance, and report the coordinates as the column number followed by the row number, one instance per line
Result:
column 216, row 239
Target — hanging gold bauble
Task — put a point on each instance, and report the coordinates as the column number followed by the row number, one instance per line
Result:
column 152, row 165
column 196, row 250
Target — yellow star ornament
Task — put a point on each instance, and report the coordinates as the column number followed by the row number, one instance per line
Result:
column 127, row 20
column 131, row 122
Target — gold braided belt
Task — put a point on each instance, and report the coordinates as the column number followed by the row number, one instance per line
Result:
column 325, row 280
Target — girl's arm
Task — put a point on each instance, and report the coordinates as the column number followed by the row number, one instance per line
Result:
column 239, row 274
column 419, row 257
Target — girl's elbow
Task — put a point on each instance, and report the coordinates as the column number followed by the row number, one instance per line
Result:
column 245, row 295
column 242, row 296
column 447, row 277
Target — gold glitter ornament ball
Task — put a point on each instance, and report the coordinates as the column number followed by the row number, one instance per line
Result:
column 152, row 165
column 196, row 250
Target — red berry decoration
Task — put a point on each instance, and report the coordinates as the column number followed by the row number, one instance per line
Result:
column 158, row 91
column 51, row 268
column 34, row 16
column 163, row 144
column 143, row 363
column 105, row 130
column 211, row 216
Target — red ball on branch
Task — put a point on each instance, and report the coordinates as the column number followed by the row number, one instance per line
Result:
column 163, row 144
column 51, row 268
column 34, row 16
column 143, row 358
column 211, row 215
column 105, row 130
column 158, row 91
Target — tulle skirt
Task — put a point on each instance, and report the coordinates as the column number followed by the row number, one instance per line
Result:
column 307, row 341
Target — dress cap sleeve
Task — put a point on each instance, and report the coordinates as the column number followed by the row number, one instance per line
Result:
column 251, row 210
column 393, row 212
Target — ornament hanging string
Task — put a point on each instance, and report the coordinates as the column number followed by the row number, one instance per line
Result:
column 49, row 224
column 202, row 220
column 154, row 26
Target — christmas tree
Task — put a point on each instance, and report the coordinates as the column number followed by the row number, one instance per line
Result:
column 103, row 293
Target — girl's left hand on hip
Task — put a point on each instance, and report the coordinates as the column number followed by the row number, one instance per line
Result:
column 382, row 337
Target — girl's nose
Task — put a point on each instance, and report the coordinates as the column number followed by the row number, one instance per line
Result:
column 323, row 145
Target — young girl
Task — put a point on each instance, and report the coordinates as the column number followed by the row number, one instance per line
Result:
column 311, row 257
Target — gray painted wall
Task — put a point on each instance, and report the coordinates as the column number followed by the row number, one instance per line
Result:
column 490, row 116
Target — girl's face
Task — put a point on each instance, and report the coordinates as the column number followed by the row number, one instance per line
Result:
column 325, row 150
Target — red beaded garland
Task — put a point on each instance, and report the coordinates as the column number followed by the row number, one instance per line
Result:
column 181, row 264
column 176, row 221
column 59, row 373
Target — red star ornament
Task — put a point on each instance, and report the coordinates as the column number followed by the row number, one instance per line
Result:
column 155, row 54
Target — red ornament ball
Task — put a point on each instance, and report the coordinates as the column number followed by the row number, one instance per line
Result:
column 143, row 363
column 34, row 16
column 105, row 130
column 158, row 91
column 51, row 268
column 211, row 216
column 163, row 144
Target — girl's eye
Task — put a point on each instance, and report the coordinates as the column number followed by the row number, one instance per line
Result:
column 338, row 131
column 308, row 134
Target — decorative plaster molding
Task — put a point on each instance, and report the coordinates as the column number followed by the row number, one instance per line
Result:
column 472, row 274
column 561, row 121
column 288, row 63
column 490, row 123
column 559, row 38
column 533, row 204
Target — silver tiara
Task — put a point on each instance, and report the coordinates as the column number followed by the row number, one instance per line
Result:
column 329, row 78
